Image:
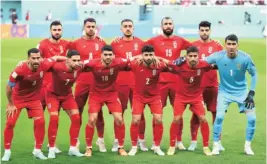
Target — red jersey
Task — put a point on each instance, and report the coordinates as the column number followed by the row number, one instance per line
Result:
column 146, row 79
column 49, row 49
column 190, row 80
column 88, row 49
column 62, row 79
column 127, row 49
column 168, row 48
column 210, row 78
column 105, row 77
column 28, row 83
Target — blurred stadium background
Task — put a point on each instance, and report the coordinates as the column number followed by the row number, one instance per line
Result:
column 24, row 23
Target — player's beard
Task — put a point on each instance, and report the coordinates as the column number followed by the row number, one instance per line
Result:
column 168, row 32
column 128, row 35
column 56, row 38
column 205, row 37
column 148, row 61
column 35, row 65
column 90, row 34
column 193, row 63
column 107, row 61
column 232, row 54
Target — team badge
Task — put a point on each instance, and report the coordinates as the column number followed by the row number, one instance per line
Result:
column 203, row 56
column 96, row 47
column 198, row 72
column 238, row 66
column 174, row 44
column 135, row 46
column 210, row 50
column 61, row 49
column 111, row 71
column 154, row 72
column 41, row 74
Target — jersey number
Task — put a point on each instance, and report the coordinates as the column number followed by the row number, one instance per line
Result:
column 168, row 52
column 67, row 81
column 191, row 80
column 105, row 78
column 147, row 81
column 129, row 55
column 231, row 72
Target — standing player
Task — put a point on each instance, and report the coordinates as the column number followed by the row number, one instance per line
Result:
column 232, row 65
column 209, row 83
column 126, row 47
column 53, row 46
column 105, row 71
column 23, row 91
column 59, row 94
column 89, row 46
column 169, row 46
column 189, row 93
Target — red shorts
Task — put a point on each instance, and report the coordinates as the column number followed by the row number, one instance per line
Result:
column 110, row 99
column 167, row 89
column 81, row 94
column 196, row 106
column 42, row 95
column 210, row 98
column 54, row 102
column 125, row 93
column 139, row 104
column 34, row 108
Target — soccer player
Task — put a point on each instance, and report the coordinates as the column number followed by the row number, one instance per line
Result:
column 189, row 92
column 105, row 71
column 169, row 46
column 53, row 46
column 209, row 83
column 232, row 65
column 126, row 47
column 89, row 46
column 59, row 94
column 23, row 91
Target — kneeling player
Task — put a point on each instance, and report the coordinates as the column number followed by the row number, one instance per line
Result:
column 59, row 94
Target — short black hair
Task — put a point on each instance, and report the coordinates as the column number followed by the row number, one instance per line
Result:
column 89, row 20
column 191, row 49
column 232, row 37
column 126, row 20
column 33, row 50
column 72, row 53
column 164, row 19
column 55, row 23
column 107, row 48
column 147, row 48
column 204, row 24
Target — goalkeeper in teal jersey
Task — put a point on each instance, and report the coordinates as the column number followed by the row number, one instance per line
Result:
column 232, row 65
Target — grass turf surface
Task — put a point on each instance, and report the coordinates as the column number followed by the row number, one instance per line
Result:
column 233, row 137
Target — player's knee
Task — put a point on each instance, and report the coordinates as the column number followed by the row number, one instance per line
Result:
column 202, row 119
column 177, row 119
column 136, row 121
column 119, row 121
column 92, row 121
column 158, row 120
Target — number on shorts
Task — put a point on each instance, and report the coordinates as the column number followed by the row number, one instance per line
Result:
column 147, row 81
column 105, row 78
column 191, row 80
column 34, row 82
column 67, row 81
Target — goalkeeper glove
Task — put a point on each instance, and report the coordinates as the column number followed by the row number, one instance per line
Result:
column 249, row 102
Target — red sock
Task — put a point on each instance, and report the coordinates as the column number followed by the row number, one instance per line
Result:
column 142, row 127
column 213, row 116
column 134, row 133
column 100, row 124
column 158, row 133
column 153, row 128
column 194, row 125
column 52, row 130
column 180, row 130
column 114, row 126
column 9, row 129
column 120, row 133
column 74, row 129
column 205, row 131
column 89, row 134
column 39, row 132
column 173, row 134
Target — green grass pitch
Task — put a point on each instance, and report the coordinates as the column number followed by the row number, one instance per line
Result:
column 233, row 136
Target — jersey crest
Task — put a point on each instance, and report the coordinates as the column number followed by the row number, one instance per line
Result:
column 96, row 47
column 154, row 72
column 210, row 50
column 238, row 66
column 135, row 46
column 174, row 44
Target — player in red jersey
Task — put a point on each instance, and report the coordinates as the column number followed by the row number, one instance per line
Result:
column 126, row 47
column 51, row 47
column 169, row 46
column 189, row 92
column 89, row 46
column 209, row 84
column 23, row 91
column 105, row 71
column 59, row 94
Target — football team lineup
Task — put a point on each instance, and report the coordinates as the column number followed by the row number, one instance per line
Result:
column 130, row 70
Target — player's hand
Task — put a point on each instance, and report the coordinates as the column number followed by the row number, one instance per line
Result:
column 214, row 66
column 249, row 102
column 179, row 61
column 11, row 110
column 138, row 59
column 156, row 61
column 100, row 38
column 116, row 39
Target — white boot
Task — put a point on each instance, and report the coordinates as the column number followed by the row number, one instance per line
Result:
column 142, row 144
column 247, row 148
column 221, row 148
column 73, row 151
column 192, row 146
column 39, row 154
column 51, row 153
column 216, row 148
column 115, row 145
column 101, row 144
column 158, row 151
column 133, row 151
column 7, row 155
column 180, row 145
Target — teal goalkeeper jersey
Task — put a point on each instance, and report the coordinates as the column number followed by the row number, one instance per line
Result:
column 233, row 71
